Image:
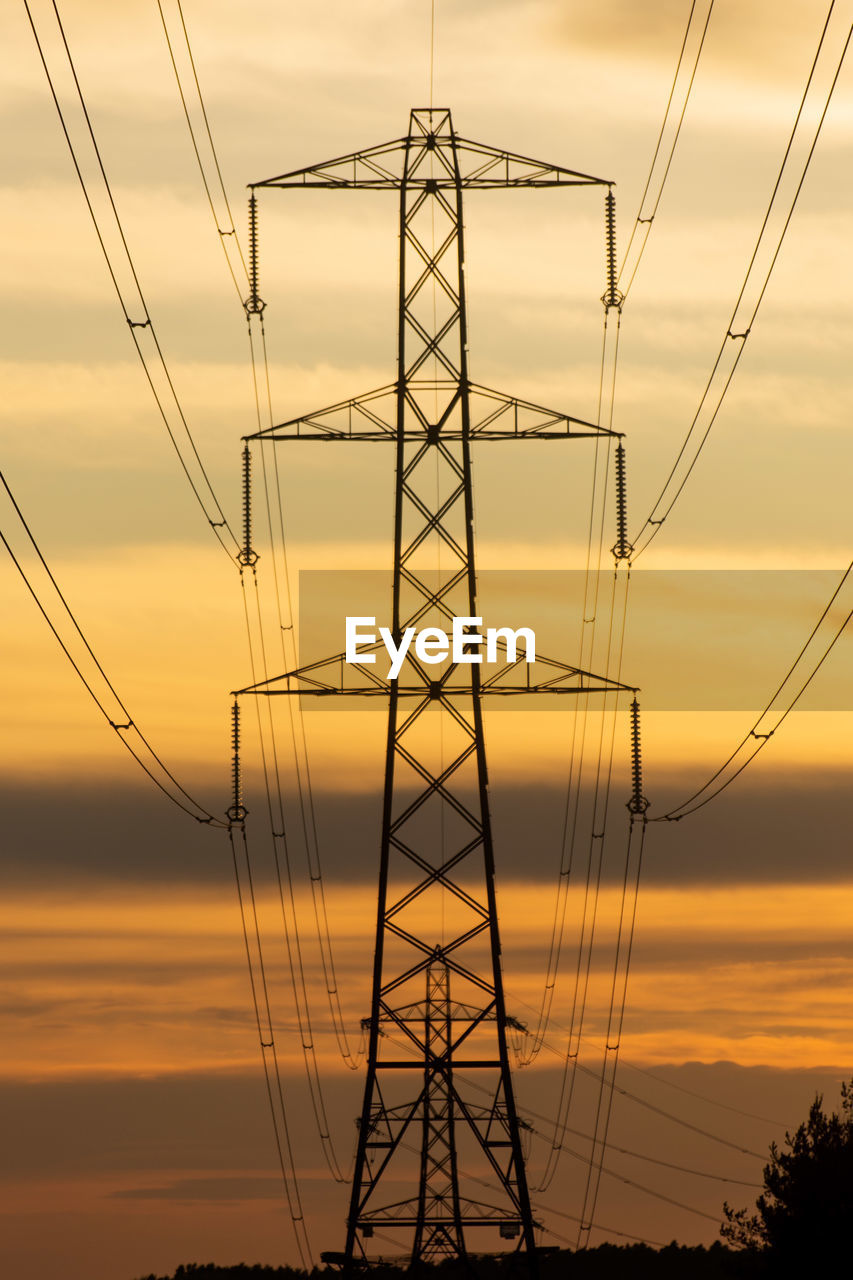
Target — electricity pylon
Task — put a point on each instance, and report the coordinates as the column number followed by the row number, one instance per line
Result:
column 439, row 1153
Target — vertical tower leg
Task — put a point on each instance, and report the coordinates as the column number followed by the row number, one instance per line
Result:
column 423, row 1156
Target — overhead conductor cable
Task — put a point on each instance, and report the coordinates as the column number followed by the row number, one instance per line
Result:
column 637, row 806
column 135, row 326
column 738, row 330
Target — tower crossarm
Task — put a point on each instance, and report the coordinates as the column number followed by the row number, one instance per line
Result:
column 373, row 416
column 335, row 676
column 384, row 167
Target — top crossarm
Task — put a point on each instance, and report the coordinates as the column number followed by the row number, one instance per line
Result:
column 381, row 168
column 379, row 415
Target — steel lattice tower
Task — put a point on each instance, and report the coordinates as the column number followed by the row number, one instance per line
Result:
column 439, row 1142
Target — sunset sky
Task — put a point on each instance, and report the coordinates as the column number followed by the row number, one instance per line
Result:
column 137, row 1136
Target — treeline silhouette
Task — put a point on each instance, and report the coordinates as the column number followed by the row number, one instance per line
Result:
column 604, row 1262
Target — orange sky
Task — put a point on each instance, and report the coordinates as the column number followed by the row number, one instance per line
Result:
column 717, row 975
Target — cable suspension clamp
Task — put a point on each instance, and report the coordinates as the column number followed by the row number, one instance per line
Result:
column 638, row 804
column 612, row 296
column 247, row 556
column 622, row 549
column 238, row 811
column 254, row 304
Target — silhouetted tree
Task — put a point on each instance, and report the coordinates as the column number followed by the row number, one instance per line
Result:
column 805, row 1214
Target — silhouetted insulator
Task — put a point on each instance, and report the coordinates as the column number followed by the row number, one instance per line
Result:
column 246, row 556
column 237, row 811
column 638, row 803
column 622, row 548
column 612, row 296
column 254, row 304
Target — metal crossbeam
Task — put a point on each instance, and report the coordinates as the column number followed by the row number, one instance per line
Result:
column 373, row 416
column 431, row 158
column 354, row 682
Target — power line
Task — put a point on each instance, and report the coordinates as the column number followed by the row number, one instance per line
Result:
column 671, row 1084
column 562, row 1213
column 228, row 235
column 598, row 1226
column 123, row 728
column 580, row 995
column 300, row 747
column 616, row 1012
column 597, row 1167
column 290, row 922
column 301, row 758
column 631, row 261
column 539, row 1207
column 585, row 1224
column 272, row 1077
column 685, row 1124
column 661, row 1111
column 266, row 1036
column 280, row 847
column 738, row 333
column 594, row 1169
column 577, row 753
column 669, row 1164
column 692, row 1093
column 302, row 765
column 612, row 299
column 135, row 326
column 761, row 739
column 526, row 1111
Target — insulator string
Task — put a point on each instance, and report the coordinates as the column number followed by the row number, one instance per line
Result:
column 622, row 548
column 237, row 811
column 638, row 804
column 247, row 556
column 254, row 304
column 612, row 296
